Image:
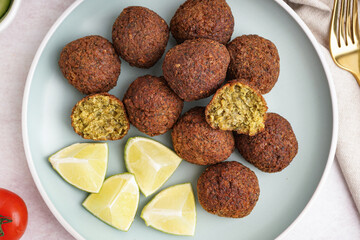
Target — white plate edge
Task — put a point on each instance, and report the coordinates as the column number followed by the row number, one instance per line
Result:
column 38, row 184
column 334, row 138
column 25, row 136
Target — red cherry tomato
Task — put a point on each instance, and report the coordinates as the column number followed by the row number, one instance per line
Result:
column 13, row 215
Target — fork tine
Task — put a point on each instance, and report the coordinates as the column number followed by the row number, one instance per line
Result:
column 341, row 24
column 348, row 25
column 335, row 23
column 355, row 22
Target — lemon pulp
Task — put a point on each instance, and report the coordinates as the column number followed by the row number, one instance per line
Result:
column 117, row 202
column 172, row 210
column 151, row 162
column 82, row 164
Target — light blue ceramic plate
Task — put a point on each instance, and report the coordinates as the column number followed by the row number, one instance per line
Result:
column 302, row 94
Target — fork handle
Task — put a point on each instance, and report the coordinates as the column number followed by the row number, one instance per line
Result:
column 357, row 77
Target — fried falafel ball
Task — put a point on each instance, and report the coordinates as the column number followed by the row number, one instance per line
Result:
column 100, row 117
column 196, row 142
column 210, row 19
column 255, row 59
column 196, row 68
column 152, row 106
column 237, row 106
column 228, row 189
column 90, row 64
column 271, row 150
column 140, row 36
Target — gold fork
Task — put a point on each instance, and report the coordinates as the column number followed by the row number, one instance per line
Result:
column 344, row 36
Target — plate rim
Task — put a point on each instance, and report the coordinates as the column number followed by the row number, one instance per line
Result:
column 36, row 59
column 10, row 14
column 24, row 126
column 334, row 104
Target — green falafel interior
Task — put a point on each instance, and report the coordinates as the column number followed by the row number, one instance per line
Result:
column 100, row 117
column 237, row 107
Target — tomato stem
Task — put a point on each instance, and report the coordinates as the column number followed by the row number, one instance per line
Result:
column 3, row 220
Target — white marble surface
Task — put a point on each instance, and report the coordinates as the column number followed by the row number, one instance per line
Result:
column 332, row 215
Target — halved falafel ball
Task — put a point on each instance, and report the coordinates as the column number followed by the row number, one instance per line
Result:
column 271, row 150
column 90, row 64
column 152, row 106
column 140, row 36
column 255, row 59
column 196, row 68
column 196, row 142
column 100, row 117
column 237, row 106
column 228, row 189
column 210, row 19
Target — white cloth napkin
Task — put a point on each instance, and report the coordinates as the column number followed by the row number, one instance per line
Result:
column 317, row 14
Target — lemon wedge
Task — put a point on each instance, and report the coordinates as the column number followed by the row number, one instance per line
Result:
column 117, row 201
column 151, row 162
column 172, row 211
column 82, row 164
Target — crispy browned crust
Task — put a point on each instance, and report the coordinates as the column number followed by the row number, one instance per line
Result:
column 196, row 142
column 90, row 64
column 152, row 106
column 196, row 68
column 228, row 189
column 111, row 97
column 247, row 83
column 210, row 19
column 256, row 59
column 271, row 150
column 140, row 36
column 234, row 82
